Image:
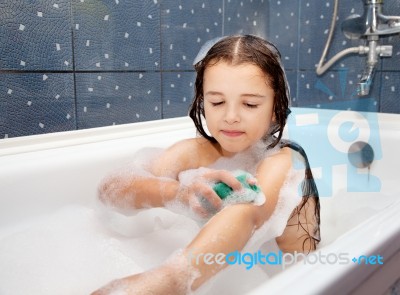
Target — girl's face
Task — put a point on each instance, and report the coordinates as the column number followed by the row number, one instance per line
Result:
column 238, row 105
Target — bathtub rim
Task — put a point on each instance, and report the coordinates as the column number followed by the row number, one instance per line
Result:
column 30, row 143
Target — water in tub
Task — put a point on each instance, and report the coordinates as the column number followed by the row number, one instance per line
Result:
column 77, row 249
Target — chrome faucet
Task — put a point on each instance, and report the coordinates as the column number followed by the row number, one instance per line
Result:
column 373, row 51
column 371, row 25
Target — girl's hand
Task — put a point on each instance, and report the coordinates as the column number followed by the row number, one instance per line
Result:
column 197, row 192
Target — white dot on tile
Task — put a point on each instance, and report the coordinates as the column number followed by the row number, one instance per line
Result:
column 151, row 50
column 99, row 78
column 172, row 85
column 41, row 125
column 108, row 105
column 149, row 91
column 76, row 26
column 66, row 62
column 45, row 77
column 22, row 63
column 98, row 64
column 116, row 87
column 21, row 27
column 139, row 24
column 106, row 17
column 106, row 55
column 90, row 89
column 9, row 91
column 68, row 116
column 57, row 96
column 85, row 109
column 156, row 108
column 168, row 102
column 126, row 35
column 137, row 115
column 126, row 64
column 393, row 89
column 130, row 97
column 55, row 5
column 150, row 16
column 29, row 103
column 40, row 14
column 140, row 76
column 116, row 1
column 58, row 46
column 88, row 43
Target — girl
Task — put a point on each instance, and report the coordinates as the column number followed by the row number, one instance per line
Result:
column 242, row 93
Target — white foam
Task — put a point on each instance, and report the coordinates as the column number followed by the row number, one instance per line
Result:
column 72, row 252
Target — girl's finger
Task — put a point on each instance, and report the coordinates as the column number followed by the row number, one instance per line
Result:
column 223, row 176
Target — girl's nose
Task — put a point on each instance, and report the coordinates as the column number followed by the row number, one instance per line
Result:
column 232, row 115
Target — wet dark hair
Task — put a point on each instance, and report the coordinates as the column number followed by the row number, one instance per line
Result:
column 238, row 50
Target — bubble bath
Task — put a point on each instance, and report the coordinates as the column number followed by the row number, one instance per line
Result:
column 55, row 238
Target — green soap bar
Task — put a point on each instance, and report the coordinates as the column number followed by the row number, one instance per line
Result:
column 223, row 190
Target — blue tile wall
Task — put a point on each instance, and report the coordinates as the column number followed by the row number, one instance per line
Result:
column 74, row 64
column 117, row 98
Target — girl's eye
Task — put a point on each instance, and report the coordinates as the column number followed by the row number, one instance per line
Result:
column 214, row 104
column 251, row 106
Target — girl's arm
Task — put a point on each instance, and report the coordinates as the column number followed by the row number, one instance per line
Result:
column 159, row 185
column 233, row 226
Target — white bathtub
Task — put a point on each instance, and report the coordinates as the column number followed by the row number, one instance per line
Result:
column 41, row 176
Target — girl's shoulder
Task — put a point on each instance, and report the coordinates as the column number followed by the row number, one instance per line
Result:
column 280, row 160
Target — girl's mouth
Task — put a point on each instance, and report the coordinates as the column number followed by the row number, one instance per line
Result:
column 232, row 133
